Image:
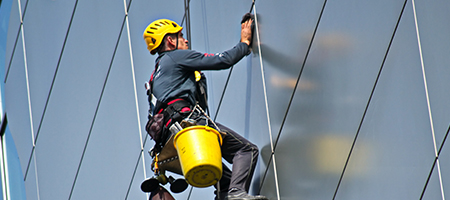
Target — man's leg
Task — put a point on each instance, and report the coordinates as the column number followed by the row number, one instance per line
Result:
column 243, row 155
column 224, row 183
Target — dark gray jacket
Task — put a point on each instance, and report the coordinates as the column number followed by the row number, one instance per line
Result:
column 175, row 78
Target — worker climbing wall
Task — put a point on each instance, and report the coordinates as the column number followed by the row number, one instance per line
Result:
column 346, row 99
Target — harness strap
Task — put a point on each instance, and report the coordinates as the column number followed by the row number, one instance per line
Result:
column 171, row 108
column 149, row 88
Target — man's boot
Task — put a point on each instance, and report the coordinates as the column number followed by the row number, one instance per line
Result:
column 242, row 195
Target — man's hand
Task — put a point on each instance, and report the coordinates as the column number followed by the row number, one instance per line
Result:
column 246, row 31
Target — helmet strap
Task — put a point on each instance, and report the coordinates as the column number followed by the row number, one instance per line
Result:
column 176, row 47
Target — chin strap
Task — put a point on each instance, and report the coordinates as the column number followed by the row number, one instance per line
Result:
column 176, row 47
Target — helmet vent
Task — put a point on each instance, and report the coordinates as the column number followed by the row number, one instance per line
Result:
column 156, row 31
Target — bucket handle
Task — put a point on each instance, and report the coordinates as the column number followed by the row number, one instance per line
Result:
column 199, row 109
column 216, row 132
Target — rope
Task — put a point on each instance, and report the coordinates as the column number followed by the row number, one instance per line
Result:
column 33, row 152
column 266, row 104
column 428, row 100
column 134, row 88
column 142, row 155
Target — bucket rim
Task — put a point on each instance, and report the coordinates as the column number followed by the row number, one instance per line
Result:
column 207, row 128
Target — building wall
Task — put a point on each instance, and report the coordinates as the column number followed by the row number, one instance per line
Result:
column 346, row 99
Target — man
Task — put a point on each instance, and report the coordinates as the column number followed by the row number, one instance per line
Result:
column 178, row 86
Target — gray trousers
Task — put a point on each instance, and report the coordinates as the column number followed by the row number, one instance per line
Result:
column 242, row 154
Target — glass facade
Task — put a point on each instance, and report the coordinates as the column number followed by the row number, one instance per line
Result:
column 13, row 186
column 346, row 99
column 12, row 182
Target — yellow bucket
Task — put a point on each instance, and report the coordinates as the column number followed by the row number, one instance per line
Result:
column 200, row 157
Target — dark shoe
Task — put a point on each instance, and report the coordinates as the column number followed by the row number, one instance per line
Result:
column 240, row 195
column 222, row 196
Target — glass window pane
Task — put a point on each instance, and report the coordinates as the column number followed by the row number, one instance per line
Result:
column 14, row 173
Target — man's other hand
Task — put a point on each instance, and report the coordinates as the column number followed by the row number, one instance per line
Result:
column 246, row 31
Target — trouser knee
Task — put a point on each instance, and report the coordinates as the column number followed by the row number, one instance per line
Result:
column 253, row 148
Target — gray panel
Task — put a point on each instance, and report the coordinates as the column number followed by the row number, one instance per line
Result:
column 396, row 132
column 331, row 96
column 215, row 25
column 114, row 148
column 13, row 30
column 285, row 31
column 243, row 104
column 45, row 27
column 77, row 89
column 31, row 183
column 16, row 107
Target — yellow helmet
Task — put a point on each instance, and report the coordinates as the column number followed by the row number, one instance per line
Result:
column 155, row 32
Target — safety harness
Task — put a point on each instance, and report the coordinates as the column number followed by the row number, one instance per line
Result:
column 171, row 111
